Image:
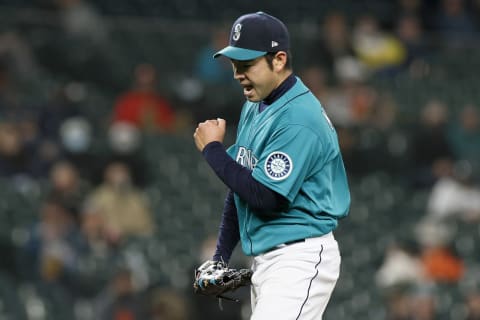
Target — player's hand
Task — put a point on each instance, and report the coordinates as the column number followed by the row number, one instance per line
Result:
column 209, row 131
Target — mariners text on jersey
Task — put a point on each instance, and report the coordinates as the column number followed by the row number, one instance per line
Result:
column 246, row 158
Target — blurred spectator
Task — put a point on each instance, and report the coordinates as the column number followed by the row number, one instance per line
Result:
column 11, row 107
column 353, row 157
column 431, row 152
column 464, row 135
column 383, row 139
column 332, row 45
column 59, row 107
column 18, row 159
column 97, row 256
column 409, row 7
column 120, row 300
column 123, row 207
column 51, row 252
column 417, row 301
column 67, row 186
column 454, row 24
column 17, row 53
column 374, row 140
column 423, row 305
column 401, row 267
column 469, row 289
column 440, row 263
column 95, row 233
column 83, row 47
column 82, row 21
column 166, row 304
column 432, row 261
column 455, row 196
column 351, row 104
column 210, row 75
column 398, row 305
column 379, row 50
column 142, row 105
column 409, row 31
column 473, row 305
column 4, row 84
column 125, row 144
column 208, row 70
column 421, row 10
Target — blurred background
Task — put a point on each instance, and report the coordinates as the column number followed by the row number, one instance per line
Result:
column 106, row 206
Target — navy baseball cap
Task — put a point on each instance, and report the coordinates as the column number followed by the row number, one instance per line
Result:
column 254, row 35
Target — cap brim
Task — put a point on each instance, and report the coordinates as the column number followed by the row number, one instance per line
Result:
column 239, row 53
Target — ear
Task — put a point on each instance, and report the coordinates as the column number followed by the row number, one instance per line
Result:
column 279, row 61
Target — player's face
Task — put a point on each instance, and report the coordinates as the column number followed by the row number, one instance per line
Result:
column 256, row 78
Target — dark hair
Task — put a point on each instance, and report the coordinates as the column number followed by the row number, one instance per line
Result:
column 270, row 55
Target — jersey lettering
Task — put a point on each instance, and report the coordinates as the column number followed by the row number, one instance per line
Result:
column 246, row 158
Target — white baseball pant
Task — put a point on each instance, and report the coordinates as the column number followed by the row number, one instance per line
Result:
column 295, row 281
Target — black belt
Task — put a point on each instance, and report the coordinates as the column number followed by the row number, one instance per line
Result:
column 292, row 242
column 282, row 245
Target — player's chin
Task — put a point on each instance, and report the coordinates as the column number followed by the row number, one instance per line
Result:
column 253, row 97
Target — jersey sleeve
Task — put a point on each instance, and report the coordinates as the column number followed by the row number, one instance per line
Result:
column 291, row 154
column 232, row 151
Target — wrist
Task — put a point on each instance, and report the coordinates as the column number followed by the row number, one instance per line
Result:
column 211, row 146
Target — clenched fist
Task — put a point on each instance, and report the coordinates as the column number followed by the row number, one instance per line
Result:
column 209, row 131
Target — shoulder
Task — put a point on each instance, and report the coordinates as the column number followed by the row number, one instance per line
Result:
column 302, row 102
column 248, row 110
column 305, row 110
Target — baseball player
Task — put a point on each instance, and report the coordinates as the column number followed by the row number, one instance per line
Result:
column 287, row 183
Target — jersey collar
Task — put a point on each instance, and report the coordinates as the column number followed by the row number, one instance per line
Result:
column 286, row 85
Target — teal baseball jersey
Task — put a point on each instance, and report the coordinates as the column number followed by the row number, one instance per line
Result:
column 292, row 148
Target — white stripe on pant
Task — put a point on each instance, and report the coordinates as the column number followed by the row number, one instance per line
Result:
column 296, row 281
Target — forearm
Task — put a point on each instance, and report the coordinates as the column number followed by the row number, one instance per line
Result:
column 239, row 179
column 228, row 234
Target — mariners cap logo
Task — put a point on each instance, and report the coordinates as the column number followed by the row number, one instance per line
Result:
column 278, row 165
column 236, row 31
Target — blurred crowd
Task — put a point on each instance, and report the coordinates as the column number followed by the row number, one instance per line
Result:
column 93, row 173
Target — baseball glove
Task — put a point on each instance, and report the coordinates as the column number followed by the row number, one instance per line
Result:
column 214, row 278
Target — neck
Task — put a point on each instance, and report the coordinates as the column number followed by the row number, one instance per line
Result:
column 283, row 86
column 282, row 77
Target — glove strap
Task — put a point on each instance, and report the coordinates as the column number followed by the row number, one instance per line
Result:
column 228, row 298
column 220, row 304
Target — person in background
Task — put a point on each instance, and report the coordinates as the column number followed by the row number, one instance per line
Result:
column 123, row 207
column 207, row 71
column 464, row 135
column 68, row 186
column 431, row 152
column 142, row 105
column 120, row 300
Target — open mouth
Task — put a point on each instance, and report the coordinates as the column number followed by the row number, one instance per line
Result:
column 247, row 90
